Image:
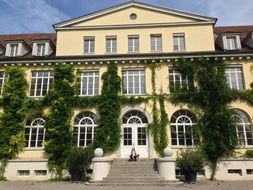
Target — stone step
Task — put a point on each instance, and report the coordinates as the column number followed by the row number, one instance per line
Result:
column 132, row 179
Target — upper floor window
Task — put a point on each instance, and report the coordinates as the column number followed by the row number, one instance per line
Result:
column 111, row 44
column 176, row 80
column 13, row 50
column 2, row 80
column 89, row 44
column 182, row 129
column 179, row 42
column 34, row 133
column 41, row 83
column 235, row 78
column 88, row 84
column 231, row 43
column 243, row 128
column 156, row 43
column 133, row 82
column 133, row 44
column 84, row 128
column 41, row 49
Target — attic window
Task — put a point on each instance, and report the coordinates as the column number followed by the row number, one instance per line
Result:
column 133, row 16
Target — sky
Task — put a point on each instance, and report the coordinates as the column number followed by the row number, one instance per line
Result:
column 38, row 16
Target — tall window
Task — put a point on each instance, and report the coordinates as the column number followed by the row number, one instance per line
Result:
column 156, row 42
column 89, row 44
column 89, row 83
column 41, row 49
column 41, row 83
column 234, row 78
column 177, row 80
column 2, row 80
column 133, row 44
column 84, row 128
column 231, row 43
column 111, row 44
column 182, row 130
column 243, row 128
column 34, row 133
column 133, row 82
column 13, row 50
column 179, row 42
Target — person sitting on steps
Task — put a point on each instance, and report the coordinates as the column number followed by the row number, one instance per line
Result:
column 133, row 155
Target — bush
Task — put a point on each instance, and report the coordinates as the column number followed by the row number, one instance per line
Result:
column 190, row 160
column 249, row 153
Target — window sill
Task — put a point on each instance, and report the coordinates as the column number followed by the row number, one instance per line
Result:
column 133, row 52
column 34, row 149
column 179, row 51
column 181, row 146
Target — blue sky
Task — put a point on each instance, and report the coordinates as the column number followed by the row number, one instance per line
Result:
column 29, row 16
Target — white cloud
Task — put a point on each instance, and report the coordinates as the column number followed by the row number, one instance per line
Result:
column 231, row 12
column 28, row 15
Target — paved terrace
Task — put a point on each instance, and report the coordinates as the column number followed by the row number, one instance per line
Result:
column 202, row 185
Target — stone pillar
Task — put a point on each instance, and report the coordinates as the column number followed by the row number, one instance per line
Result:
column 101, row 165
column 167, row 166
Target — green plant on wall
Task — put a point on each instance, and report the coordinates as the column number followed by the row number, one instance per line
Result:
column 108, row 131
column 58, row 136
column 12, row 131
column 158, row 127
column 211, row 95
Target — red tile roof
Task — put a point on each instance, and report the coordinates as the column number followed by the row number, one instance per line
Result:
column 28, row 39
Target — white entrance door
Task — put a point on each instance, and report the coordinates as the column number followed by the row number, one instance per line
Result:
column 134, row 134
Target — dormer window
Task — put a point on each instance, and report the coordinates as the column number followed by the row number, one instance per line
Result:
column 231, row 42
column 42, row 48
column 15, row 49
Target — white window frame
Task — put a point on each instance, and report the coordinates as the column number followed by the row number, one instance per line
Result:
column 49, row 78
column 173, row 73
column 184, row 116
column 14, row 49
column 89, row 76
column 133, row 44
column 41, row 49
column 89, row 45
column 156, row 43
column 84, row 120
column 37, row 124
column 2, row 79
column 243, row 120
column 237, row 72
column 111, row 44
column 177, row 45
column 141, row 86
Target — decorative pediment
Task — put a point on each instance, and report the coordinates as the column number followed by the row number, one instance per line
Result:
column 134, row 14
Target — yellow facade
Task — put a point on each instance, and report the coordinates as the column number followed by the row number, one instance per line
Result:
column 198, row 32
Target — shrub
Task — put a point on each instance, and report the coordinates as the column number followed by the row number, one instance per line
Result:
column 249, row 153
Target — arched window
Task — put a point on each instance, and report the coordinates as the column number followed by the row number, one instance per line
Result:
column 243, row 128
column 134, row 117
column 182, row 130
column 34, row 132
column 84, row 128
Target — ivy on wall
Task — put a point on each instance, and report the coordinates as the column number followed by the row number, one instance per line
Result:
column 58, row 140
column 211, row 95
column 158, row 127
column 12, row 130
column 108, row 131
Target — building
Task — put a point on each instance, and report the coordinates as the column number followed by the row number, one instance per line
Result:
column 130, row 34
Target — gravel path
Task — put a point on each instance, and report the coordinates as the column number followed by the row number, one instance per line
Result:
column 202, row 185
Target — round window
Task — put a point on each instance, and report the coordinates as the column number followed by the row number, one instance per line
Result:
column 133, row 16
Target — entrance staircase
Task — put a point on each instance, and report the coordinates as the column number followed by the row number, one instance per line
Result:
column 133, row 173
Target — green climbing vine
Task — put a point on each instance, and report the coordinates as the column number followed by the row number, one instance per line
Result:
column 58, row 137
column 108, row 131
column 212, row 96
column 11, row 125
column 158, row 127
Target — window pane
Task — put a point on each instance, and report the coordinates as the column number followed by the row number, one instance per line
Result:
column 134, row 82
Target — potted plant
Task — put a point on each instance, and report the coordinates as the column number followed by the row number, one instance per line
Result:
column 190, row 161
column 77, row 161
